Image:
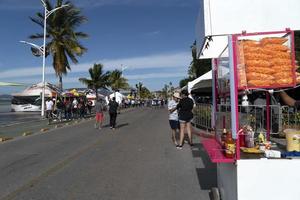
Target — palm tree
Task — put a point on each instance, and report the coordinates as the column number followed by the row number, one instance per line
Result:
column 99, row 79
column 117, row 81
column 139, row 88
column 61, row 30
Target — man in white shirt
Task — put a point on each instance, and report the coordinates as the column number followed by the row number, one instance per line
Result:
column 173, row 115
column 49, row 107
column 74, row 108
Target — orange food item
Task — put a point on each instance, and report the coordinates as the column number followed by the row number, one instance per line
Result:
column 282, row 68
column 272, row 40
column 249, row 43
column 298, row 78
column 276, row 47
column 258, row 63
column 284, row 81
column 257, row 56
column 259, row 76
column 264, row 70
column 282, row 55
column 250, row 49
column 282, row 75
column 281, row 61
column 257, row 83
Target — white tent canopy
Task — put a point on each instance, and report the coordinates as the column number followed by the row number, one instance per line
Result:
column 118, row 95
column 206, row 76
column 219, row 18
column 36, row 90
column 205, row 79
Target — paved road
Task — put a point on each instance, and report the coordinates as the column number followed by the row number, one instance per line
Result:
column 136, row 162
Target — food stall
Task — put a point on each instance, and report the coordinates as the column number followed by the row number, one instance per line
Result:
column 260, row 57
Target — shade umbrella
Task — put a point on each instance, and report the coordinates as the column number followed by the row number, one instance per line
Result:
column 10, row 84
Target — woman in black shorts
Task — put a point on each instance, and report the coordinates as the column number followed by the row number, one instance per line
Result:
column 185, row 115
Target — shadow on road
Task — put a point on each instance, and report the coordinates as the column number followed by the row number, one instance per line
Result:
column 122, row 125
column 118, row 126
column 207, row 176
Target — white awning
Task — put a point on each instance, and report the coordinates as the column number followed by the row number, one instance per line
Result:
column 206, row 76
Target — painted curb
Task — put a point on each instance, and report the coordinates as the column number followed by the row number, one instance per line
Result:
column 44, row 129
column 3, row 139
column 27, row 133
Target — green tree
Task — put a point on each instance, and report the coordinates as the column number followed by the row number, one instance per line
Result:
column 197, row 67
column 139, row 87
column 63, row 42
column 143, row 92
column 98, row 79
column 165, row 91
column 117, row 81
column 184, row 82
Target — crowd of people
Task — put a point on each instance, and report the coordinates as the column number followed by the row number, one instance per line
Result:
column 68, row 108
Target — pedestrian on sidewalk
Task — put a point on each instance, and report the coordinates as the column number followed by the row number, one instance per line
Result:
column 113, row 111
column 185, row 115
column 173, row 116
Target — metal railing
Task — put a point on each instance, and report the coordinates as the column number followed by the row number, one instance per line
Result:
column 281, row 117
column 202, row 116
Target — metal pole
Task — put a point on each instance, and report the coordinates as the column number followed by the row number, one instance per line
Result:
column 44, row 62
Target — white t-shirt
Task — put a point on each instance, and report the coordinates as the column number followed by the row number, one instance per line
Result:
column 49, row 105
column 174, row 115
column 75, row 103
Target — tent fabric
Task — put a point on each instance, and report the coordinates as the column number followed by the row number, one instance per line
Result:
column 205, row 81
column 205, row 76
column 118, row 95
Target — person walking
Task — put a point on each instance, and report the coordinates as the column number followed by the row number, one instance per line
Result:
column 99, row 108
column 49, row 108
column 89, row 106
column 185, row 115
column 59, row 108
column 173, row 116
column 68, row 109
column 113, row 111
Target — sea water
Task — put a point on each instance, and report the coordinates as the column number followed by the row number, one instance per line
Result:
column 5, row 106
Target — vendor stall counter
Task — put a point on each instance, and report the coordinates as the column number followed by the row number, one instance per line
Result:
column 262, row 62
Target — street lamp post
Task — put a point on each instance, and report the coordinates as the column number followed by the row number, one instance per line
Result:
column 47, row 13
column 42, row 49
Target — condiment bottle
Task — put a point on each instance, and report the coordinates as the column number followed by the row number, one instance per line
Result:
column 223, row 138
column 229, row 146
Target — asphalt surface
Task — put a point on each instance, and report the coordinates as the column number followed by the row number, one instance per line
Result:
column 137, row 161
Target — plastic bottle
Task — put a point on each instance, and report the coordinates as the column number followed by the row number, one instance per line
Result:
column 229, row 146
column 223, row 138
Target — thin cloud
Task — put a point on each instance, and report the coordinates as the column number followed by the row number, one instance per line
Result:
column 152, row 33
column 181, row 59
column 154, row 76
column 175, row 60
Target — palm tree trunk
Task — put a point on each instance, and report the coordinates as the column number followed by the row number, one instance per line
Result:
column 96, row 91
column 60, row 84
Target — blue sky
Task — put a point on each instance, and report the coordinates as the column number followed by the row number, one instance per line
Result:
column 151, row 38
